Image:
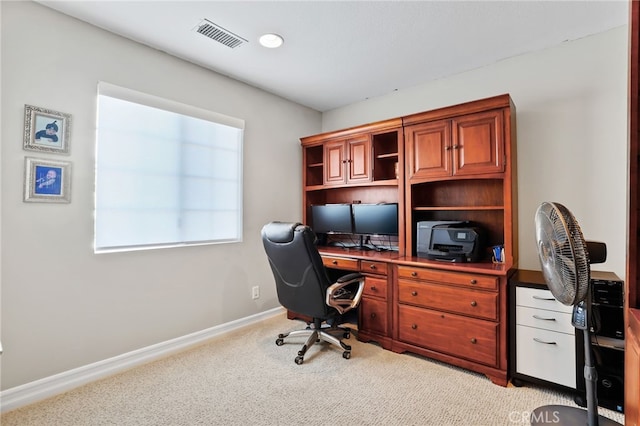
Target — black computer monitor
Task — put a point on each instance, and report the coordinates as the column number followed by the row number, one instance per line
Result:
column 331, row 219
column 375, row 219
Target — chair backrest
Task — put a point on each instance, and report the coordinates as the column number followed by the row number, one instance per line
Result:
column 301, row 279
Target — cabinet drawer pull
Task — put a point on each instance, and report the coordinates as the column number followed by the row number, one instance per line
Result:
column 544, row 319
column 414, row 274
column 474, row 303
column 373, row 288
column 535, row 339
column 543, row 298
column 473, row 340
column 334, row 262
column 372, row 266
column 474, row 282
column 373, row 315
column 414, row 326
column 414, row 293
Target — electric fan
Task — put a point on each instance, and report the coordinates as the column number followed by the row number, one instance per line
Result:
column 564, row 258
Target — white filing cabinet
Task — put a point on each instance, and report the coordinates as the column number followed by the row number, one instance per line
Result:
column 543, row 340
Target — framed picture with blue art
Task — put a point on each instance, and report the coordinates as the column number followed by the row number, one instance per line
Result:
column 47, row 181
column 46, row 130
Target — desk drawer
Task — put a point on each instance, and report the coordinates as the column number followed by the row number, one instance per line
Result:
column 373, row 267
column 373, row 316
column 473, row 339
column 543, row 319
column 375, row 287
column 539, row 299
column 547, row 355
column 480, row 304
column 341, row 263
column 434, row 275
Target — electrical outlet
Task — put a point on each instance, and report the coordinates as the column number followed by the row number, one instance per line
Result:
column 255, row 292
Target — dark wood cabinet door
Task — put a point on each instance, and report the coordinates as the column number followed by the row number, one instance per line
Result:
column 359, row 160
column 429, row 146
column 478, row 143
column 334, row 163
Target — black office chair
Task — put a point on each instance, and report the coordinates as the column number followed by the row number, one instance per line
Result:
column 304, row 287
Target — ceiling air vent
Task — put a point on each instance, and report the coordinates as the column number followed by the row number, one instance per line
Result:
column 219, row 34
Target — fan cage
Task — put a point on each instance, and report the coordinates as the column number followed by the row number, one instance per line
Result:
column 563, row 253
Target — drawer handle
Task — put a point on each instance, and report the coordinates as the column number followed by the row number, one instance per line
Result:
column 544, row 319
column 474, row 303
column 335, row 262
column 543, row 298
column 535, row 339
column 473, row 340
column 414, row 326
column 373, row 315
column 373, row 288
column 474, row 282
column 414, row 293
column 414, row 274
column 372, row 266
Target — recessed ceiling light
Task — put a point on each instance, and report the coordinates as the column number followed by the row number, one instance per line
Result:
column 271, row 40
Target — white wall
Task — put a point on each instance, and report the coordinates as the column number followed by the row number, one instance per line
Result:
column 571, row 104
column 62, row 305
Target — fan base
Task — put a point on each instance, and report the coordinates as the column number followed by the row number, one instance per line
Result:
column 565, row 416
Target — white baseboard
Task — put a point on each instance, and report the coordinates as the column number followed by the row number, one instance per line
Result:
column 47, row 387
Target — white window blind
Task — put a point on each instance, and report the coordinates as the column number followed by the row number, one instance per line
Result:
column 167, row 173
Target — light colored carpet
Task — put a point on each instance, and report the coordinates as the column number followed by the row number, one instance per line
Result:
column 243, row 378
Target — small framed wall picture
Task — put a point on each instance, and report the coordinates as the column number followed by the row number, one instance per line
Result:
column 47, row 181
column 46, row 130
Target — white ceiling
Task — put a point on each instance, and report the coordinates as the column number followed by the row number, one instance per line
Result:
column 340, row 52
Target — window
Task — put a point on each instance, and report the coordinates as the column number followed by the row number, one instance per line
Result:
column 167, row 174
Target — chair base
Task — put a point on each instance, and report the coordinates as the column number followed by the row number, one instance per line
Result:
column 314, row 335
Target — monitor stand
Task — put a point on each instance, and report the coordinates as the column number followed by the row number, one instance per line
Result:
column 361, row 245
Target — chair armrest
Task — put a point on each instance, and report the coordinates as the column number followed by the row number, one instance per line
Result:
column 344, row 299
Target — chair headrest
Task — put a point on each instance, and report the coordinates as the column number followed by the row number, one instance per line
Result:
column 280, row 232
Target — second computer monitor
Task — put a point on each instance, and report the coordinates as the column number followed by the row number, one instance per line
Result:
column 375, row 219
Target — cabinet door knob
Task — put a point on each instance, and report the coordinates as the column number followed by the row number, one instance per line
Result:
column 474, row 303
column 414, row 326
column 414, row 293
column 414, row 274
column 447, row 148
column 373, row 315
column 373, row 288
column 474, row 282
column 473, row 340
column 456, row 146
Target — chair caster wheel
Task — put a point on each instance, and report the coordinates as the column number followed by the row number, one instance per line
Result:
column 279, row 341
column 299, row 360
column 346, row 335
column 346, row 354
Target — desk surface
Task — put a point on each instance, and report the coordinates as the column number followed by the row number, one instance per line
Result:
column 535, row 278
column 393, row 257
